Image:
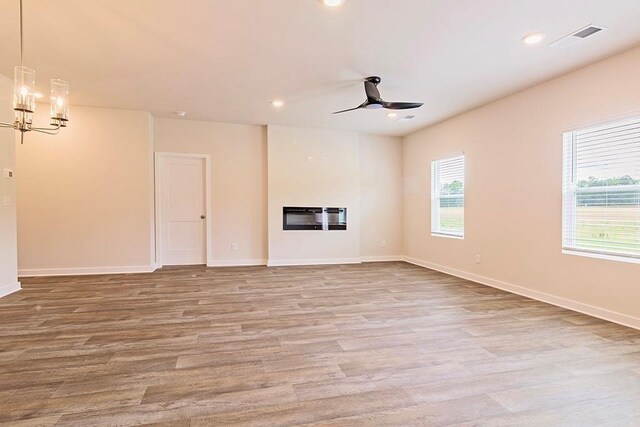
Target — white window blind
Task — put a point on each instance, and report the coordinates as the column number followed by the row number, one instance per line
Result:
column 601, row 190
column 447, row 197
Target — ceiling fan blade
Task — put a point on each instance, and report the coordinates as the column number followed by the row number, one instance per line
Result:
column 364, row 104
column 344, row 111
column 371, row 90
column 402, row 105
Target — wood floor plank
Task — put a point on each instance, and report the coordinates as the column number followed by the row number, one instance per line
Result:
column 371, row 344
column 475, row 409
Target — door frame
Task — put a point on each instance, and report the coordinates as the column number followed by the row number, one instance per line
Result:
column 159, row 156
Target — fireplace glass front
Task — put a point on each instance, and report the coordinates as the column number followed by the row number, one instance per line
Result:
column 302, row 218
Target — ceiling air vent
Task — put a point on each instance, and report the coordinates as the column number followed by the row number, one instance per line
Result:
column 578, row 36
column 589, row 31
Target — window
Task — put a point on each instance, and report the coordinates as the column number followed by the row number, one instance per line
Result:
column 601, row 191
column 447, row 197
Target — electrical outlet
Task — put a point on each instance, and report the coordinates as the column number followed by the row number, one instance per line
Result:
column 383, row 244
column 234, row 246
column 478, row 259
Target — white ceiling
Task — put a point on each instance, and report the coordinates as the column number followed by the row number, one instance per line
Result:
column 224, row 60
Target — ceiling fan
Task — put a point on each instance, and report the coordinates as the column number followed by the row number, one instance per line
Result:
column 374, row 102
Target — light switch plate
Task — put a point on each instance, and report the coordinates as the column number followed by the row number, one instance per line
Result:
column 8, row 174
column 6, row 201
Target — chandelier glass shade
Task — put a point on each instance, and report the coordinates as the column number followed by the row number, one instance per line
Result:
column 24, row 90
column 25, row 94
column 59, row 102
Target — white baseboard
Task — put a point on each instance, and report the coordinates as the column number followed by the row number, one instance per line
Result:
column 382, row 258
column 590, row 310
column 236, row 262
column 83, row 271
column 320, row 261
column 9, row 289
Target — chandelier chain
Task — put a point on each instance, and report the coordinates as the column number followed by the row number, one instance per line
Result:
column 21, row 38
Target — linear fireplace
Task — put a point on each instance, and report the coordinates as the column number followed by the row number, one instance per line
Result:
column 314, row 218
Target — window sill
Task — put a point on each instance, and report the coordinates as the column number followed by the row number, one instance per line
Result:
column 605, row 257
column 448, row 236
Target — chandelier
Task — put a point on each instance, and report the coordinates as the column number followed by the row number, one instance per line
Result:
column 24, row 98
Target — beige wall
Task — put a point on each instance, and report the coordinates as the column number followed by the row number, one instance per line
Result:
column 85, row 195
column 238, row 182
column 313, row 167
column 513, row 151
column 8, row 250
column 239, row 187
column 380, row 198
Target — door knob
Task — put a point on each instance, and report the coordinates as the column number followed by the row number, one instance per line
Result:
column 202, row 217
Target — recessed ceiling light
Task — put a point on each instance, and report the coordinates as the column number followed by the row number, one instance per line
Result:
column 392, row 115
column 533, row 38
column 332, row 3
column 277, row 103
column 180, row 113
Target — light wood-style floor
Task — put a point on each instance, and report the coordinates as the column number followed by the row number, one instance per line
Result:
column 372, row 344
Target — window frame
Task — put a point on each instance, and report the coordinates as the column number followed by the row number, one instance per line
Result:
column 436, row 231
column 570, row 195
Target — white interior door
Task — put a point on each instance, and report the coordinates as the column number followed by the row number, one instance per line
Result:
column 182, row 216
